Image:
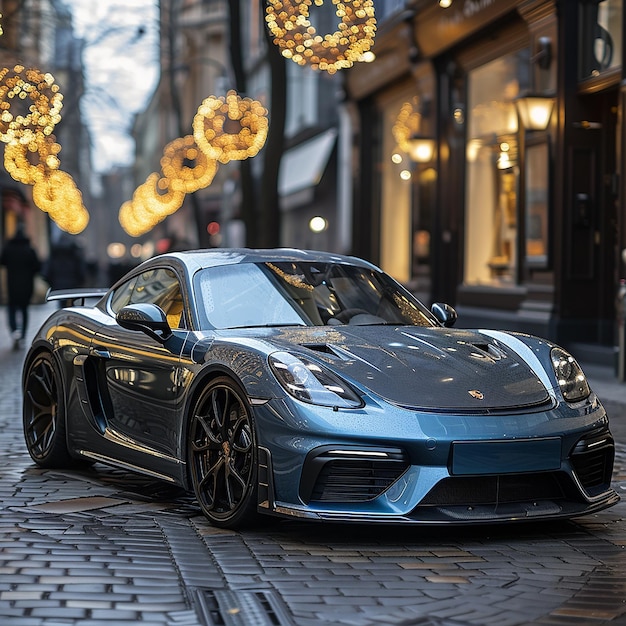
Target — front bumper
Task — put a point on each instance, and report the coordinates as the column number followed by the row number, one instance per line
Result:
column 406, row 476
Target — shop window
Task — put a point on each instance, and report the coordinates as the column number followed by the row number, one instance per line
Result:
column 397, row 172
column 601, row 36
column 492, row 181
column 408, row 182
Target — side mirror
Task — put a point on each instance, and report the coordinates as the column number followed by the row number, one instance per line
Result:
column 445, row 314
column 148, row 318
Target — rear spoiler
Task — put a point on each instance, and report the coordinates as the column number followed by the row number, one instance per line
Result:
column 76, row 296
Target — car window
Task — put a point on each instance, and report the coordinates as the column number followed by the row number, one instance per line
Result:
column 236, row 296
column 158, row 286
column 315, row 294
column 121, row 296
column 337, row 293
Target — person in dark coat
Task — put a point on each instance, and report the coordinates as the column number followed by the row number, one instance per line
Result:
column 22, row 265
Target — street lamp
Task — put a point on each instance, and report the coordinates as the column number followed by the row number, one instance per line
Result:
column 421, row 148
column 534, row 111
column 318, row 224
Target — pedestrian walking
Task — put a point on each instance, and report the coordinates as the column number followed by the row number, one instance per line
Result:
column 22, row 265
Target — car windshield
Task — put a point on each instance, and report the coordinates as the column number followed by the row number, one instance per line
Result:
column 303, row 294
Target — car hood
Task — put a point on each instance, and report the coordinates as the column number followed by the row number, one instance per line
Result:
column 427, row 368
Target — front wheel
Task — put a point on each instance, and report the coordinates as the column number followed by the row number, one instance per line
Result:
column 223, row 454
column 43, row 414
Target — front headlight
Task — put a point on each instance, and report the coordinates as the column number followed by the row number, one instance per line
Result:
column 307, row 381
column 569, row 375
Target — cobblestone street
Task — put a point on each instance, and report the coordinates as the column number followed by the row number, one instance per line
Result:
column 103, row 547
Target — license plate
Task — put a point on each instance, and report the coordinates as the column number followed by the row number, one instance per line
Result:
column 506, row 457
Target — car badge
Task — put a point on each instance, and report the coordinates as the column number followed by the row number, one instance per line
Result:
column 478, row 395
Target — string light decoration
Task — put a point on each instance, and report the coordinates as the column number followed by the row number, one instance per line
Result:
column 137, row 220
column 224, row 129
column 30, row 108
column 30, row 104
column 299, row 41
column 56, row 194
column 407, row 124
column 157, row 195
column 18, row 159
column 186, row 166
column 230, row 128
column 152, row 202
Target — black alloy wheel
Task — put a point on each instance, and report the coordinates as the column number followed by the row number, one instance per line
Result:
column 223, row 455
column 43, row 414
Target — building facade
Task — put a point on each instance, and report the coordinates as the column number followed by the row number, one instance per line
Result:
column 517, row 221
column 26, row 39
column 193, row 65
column 38, row 34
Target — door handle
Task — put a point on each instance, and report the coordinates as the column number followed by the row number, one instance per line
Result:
column 103, row 353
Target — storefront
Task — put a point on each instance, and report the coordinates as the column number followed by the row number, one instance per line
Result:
column 513, row 216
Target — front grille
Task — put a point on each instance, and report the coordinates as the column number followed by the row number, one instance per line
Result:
column 492, row 490
column 592, row 459
column 355, row 481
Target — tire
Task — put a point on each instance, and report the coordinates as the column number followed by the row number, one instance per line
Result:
column 43, row 414
column 222, row 453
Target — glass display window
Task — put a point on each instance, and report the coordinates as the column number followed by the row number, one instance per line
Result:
column 601, row 36
column 397, row 173
column 492, row 171
column 407, row 188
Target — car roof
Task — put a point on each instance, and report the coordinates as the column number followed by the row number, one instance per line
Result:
column 211, row 257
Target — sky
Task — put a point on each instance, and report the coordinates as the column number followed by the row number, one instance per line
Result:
column 121, row 59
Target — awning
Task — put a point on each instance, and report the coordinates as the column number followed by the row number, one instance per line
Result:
column 302, row 167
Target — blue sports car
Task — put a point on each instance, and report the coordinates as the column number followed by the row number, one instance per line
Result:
column 312, row 385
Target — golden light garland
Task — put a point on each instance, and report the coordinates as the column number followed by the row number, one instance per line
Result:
column 57, row 194
column 157, row 195
column 184, row 177
column 30, row 104
column 224, row 129
column 407, row 124
column 299, row 41
column 18, row 159
column 152, row 202
column 230, row 128
column 136, row 220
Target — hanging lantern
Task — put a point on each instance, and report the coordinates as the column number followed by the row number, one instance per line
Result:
column 299, row 41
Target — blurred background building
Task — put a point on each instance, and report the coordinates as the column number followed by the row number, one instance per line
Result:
column 478, row 156
column 516, row 220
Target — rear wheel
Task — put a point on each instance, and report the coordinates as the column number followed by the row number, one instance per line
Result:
column 43, row 414
column 223, row 455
